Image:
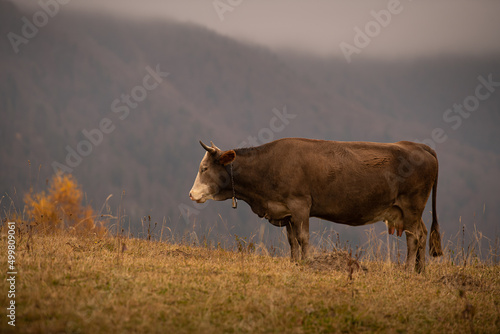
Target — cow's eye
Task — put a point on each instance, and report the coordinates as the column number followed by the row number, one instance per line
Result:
column 203, row 169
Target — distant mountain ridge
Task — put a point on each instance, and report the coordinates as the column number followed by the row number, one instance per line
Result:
column 63, row 84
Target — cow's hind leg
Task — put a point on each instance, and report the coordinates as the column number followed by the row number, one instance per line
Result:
column 420, row 259
column 416, row 237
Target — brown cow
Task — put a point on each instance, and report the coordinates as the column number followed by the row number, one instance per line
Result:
column 354, row 183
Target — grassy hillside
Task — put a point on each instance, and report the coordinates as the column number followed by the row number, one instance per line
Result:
column 119, row 285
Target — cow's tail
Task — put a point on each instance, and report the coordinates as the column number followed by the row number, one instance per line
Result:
column 435, row 237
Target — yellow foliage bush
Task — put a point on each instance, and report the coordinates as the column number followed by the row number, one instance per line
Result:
column 61, row 208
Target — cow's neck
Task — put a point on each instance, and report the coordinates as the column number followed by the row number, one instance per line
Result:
column 251, row 180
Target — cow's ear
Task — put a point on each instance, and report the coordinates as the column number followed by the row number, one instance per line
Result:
column 227, row 157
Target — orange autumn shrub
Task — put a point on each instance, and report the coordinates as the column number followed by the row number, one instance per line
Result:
column 61, row 208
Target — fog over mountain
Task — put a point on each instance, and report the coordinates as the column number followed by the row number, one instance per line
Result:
column 142, row 91
column 406, row 28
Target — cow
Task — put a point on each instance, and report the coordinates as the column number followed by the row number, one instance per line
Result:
column 289, row 180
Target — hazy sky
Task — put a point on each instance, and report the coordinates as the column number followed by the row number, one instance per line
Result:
column 414, row 28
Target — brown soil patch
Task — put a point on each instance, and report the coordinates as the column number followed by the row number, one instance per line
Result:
column 460, row 280
column 335, row 260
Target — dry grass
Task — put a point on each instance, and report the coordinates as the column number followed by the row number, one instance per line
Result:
column 78, row 284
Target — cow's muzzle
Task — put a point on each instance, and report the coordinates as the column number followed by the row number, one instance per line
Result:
column 197, row 200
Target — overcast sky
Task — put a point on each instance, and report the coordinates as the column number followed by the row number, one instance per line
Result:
column 415, row 28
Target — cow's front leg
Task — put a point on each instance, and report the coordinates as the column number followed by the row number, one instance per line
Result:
column 291, row 230
column 303, row 237
column 299, row 222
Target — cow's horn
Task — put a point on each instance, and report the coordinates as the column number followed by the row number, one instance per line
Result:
column 213, row 145
column 209, row 149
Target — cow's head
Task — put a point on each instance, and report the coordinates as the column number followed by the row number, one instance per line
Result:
column 212, row 179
